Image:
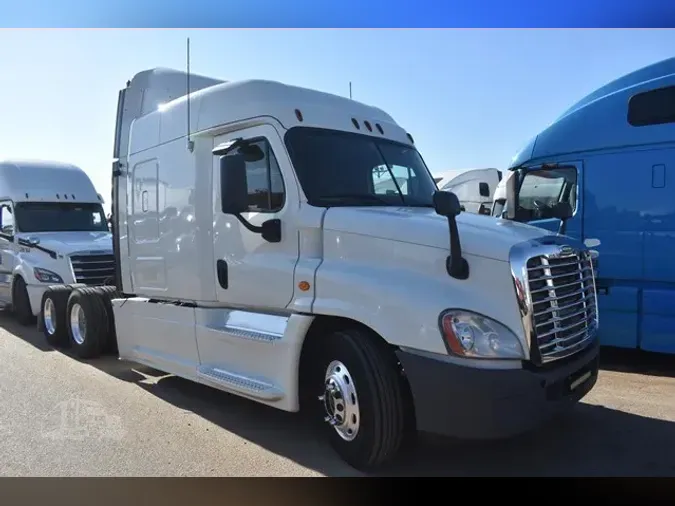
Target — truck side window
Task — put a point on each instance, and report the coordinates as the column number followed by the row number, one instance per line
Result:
column 6, row 219
column 655, row 107
column 263, row 177
column 542, row 189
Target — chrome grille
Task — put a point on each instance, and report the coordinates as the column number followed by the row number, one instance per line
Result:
column 564, row 313
column 93, row 269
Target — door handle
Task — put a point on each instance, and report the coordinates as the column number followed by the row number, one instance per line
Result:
column 221, row 270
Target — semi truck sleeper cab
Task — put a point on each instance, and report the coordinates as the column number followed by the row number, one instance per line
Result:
column 262, row 253
column 609, row 158
column 53, row 231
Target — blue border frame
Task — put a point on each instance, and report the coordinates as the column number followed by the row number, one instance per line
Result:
column 344, row 14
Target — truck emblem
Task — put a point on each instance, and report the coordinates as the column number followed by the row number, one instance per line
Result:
column 566, row 250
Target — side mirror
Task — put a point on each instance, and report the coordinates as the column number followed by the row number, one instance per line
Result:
column 233, row 186
column 446, row 204
column 484, row 189
column 234, row 195
column 563, row 211
column 512, row 196
column 251, row 153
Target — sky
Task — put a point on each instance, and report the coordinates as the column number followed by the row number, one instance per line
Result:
column 470, row 98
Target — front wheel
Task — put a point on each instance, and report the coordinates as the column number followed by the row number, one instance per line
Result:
column 362, row 399
column 21, row 303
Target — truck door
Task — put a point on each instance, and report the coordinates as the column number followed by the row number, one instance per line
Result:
column 7, row 252
column 546, row 186
column 250, row 271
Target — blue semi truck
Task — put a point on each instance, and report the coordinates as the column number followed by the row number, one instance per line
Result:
column 604, row 172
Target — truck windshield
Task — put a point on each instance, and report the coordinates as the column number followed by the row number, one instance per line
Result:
column 347, row 169
column 60, row 217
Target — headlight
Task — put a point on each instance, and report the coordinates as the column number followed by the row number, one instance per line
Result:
column 45, row 276
column 471, row 335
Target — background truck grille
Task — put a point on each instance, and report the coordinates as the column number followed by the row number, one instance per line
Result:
column 564, row 306
column 93, row 269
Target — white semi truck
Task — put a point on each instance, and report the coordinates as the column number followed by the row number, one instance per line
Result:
column 280, row 273
column 474, row 189
column 53, row 231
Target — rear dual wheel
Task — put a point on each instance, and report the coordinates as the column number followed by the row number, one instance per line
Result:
column 53, row 313
column 108, row 293
column 87, row 322
column 79, row 317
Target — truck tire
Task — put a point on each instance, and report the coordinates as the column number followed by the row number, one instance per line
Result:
column 21, row 302
column 86, row 319
column 64, row 291
column 362, row 397
column 109, row 293
column 53, row 315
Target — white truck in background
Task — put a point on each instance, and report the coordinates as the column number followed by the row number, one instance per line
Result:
column 474, row 189
column 499, row 197
column 52, row 231
column 279, row 271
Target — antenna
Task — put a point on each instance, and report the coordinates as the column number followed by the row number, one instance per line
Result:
column 190, row 144
column 350, row 90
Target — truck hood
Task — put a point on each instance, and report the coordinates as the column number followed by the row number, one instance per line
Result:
column 65, row 243
column 479, row 235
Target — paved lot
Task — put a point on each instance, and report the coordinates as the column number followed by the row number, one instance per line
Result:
column 61, row 417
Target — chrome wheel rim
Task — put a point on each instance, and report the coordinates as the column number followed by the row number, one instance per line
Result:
column 340, row 402
column 78, row 323
column 49, row 317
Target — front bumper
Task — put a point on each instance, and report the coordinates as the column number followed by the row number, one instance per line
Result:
column 472, row 403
